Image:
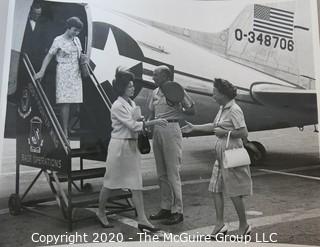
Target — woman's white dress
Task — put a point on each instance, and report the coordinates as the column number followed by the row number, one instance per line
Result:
column 68, row 76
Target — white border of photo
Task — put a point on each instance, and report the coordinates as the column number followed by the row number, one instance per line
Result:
column 6, row 20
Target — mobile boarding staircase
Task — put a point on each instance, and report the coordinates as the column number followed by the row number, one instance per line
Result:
column 41, row 143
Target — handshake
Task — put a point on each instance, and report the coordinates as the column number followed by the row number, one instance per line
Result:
column 188, row 128
column 136, row 114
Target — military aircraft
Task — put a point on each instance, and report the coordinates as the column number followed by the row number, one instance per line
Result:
column 264, row 49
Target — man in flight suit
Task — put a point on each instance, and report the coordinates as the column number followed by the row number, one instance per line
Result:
column 167, row 147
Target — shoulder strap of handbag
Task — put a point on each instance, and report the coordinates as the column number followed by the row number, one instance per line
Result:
column 218, row 116
column 77, row 43
column 229, row 133
column 220, row 113
column 228, row 139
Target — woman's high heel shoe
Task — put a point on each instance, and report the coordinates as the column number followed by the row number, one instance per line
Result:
column 102, row 223
column 219, row 235
column 247, row 232
column 145, row 228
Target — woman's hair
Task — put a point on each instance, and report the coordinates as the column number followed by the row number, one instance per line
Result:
column 165, row 70
column 225, row 87
column 36, row 5
column 74, row 22
column 121, row 81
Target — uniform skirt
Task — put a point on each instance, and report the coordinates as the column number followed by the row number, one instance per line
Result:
column 123, row 165
column 232, row 181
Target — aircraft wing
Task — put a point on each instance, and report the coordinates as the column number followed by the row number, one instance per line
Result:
column 283, row 96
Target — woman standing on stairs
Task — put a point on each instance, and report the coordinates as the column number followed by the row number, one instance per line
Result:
column 67, row 49
column 124, row 159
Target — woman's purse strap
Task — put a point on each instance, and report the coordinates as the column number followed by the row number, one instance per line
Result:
column 228, row 139
column 78, row 45
column 218, row 117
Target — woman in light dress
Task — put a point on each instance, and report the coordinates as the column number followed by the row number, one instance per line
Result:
column 124, row 159
column 66, row 49
column 233, row 182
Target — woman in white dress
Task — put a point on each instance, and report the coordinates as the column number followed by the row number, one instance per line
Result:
column 66, row 48
column 124, row 159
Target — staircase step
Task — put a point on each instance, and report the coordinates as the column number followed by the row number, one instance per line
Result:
column 84, row 174
column 78, row 152
column 80, row 132
column 85, row 199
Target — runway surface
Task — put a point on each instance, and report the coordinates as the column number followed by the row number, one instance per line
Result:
column 285, row 205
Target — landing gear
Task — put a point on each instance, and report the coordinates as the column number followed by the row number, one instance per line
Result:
column 316, row 128
column 87, row 187
column 14, row 204
column 256, row 150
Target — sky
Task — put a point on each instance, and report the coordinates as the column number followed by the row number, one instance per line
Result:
column 185, row 13
column 208, row 16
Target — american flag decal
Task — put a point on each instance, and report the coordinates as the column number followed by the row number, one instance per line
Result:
column 273, row 21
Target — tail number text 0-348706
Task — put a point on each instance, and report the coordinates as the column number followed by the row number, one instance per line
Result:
column 265, row 39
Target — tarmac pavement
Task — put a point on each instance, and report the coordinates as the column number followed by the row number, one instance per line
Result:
column 284, row 206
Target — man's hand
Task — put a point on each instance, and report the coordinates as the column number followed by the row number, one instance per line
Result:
column 219, row 132
column 188, row 128
column 188, row 105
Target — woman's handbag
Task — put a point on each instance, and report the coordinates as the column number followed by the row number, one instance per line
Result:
column 235, row 157
column 83, row 64
column 83, row 59
column 143, row 143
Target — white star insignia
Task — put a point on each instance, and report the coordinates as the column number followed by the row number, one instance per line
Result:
column 108, row 59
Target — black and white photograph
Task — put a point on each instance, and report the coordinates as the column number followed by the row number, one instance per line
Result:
column 160, row 123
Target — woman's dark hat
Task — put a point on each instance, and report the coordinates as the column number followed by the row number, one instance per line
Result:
column 173, row 92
